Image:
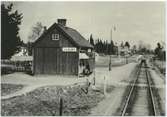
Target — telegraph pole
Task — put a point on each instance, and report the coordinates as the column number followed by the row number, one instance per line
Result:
column 94, row 78
column 110, row 54
column 110, row 65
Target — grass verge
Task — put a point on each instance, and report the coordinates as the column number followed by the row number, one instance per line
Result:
column 10, row 88
column 44, row 101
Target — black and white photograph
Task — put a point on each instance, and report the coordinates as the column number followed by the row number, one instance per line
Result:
column 83, row 58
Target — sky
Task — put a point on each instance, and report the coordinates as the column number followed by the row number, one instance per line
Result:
column 134, row 21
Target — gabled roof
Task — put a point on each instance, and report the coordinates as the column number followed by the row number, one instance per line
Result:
column 72, row 34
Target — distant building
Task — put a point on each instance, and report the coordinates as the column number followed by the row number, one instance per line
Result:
column 124, row 50
column 23, row 51
column 62, row 50
column 22, row 55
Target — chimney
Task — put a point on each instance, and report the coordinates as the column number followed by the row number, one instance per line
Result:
column 62, row 22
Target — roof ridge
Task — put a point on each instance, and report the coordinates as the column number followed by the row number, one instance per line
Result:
column 73, row 34
column 84, row 42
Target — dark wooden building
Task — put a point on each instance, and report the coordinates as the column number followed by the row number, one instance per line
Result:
column 62, row 50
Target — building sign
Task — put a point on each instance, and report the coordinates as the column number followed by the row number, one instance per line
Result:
column 69, row 49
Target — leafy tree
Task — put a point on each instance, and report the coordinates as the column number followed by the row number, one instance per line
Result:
column 36, row 32
column 159, row 52
column 159, row 46
column 10, row 39
column 158, row 49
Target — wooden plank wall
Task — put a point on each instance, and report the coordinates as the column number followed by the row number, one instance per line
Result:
column 38, row 61
column 54, row 61
column 70, row 65
column 49, row 58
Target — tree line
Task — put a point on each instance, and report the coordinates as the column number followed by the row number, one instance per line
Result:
column 105, row 47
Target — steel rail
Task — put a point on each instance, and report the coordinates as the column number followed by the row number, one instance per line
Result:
column 130, row 93
column 151, row 93
column 132, row 89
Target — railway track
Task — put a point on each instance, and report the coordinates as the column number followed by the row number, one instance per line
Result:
column 140, row 99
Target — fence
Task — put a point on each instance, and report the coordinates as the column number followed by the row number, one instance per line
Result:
column 15, row 66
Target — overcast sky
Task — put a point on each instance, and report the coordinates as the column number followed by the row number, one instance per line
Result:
column 134, row 21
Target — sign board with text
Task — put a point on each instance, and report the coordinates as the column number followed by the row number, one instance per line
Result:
column 69, row 49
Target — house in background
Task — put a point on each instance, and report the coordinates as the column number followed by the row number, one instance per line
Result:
column 62, row 50
column 23, row 51
column 123, row 50
column 22, row 55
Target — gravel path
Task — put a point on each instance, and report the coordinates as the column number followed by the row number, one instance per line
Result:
column 108, row 106
column 119, row 77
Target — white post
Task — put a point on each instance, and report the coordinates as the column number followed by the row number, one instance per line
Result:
column 104, row 86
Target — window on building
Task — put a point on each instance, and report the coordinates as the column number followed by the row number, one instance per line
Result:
column 55, row 36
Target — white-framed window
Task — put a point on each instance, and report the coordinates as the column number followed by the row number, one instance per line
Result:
column 55, row 36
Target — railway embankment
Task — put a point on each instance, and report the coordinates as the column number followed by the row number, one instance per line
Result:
column 119, row 78
column 160, row 89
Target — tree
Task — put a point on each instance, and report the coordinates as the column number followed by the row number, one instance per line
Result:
column 159, row 46
column 10, row 39
column 112, row 47
column 105, row 47
column 127, row 44
column 122, row 44
column 91, row 40
column 158, row 52
column 36, row 32
column 29, row 48
column 158, row 49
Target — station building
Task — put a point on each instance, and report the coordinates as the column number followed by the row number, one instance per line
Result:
column 62, row 50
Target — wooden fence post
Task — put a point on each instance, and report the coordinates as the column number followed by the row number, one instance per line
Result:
column 61, row 107
column 110, row 63
column 94, row 78
column 104, row 86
